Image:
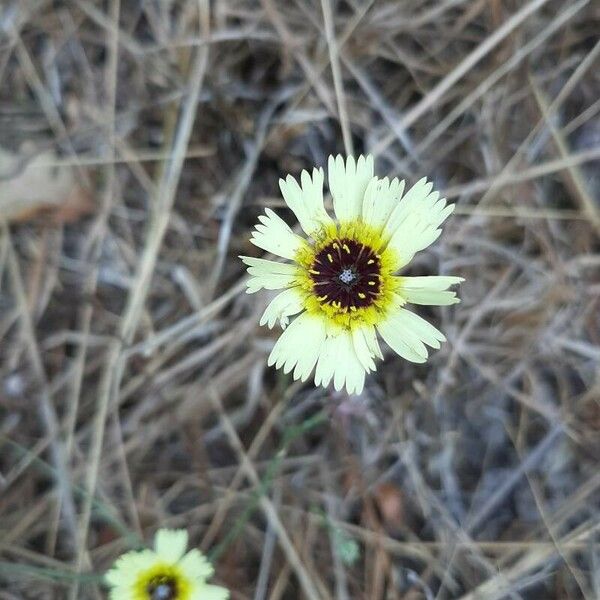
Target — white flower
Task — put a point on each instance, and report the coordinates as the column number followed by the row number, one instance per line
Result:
column 342, row 282
column 165, row 573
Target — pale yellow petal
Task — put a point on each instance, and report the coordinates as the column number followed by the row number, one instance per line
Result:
column 396, row 339
column 326, row 361
column 284, row 305
column 380, row 199
column 415, row 195
column 425, row 331
column 364, row 352
column 274, row 235
column 195, row 566
column 430, row 297
column 307, row 201
column 430, row 282
column 338, row 361
column 370, row 334
column 348, row 370
column 121, row 594
column 170, row 544
column 262, row 266
column 268, row 274
column 210, row 592
column 414, row 223
column 310, row 351
column 290, row 348
column 347, row 183
column 127, row 567
column 431, row 290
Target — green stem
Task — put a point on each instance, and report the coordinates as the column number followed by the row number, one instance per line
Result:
column 290, row 434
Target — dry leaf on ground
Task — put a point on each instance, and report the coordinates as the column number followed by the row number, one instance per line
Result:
column 40, row 187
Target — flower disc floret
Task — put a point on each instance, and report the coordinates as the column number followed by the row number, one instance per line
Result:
column 347, row 278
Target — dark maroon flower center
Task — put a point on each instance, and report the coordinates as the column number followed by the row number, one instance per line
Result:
column 162, row 587
column 346, row 274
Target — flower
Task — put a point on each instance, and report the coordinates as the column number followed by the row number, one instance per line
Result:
column 165, row 573
column 342, row 282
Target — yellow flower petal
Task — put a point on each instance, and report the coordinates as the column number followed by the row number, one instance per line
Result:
column 196, row 566
column 211, row 592
column 307, row 201
column 170, row 544
column 274, row 235
column 348, row 182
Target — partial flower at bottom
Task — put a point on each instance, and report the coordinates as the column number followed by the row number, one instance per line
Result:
column 165, row 573
column 342, row 284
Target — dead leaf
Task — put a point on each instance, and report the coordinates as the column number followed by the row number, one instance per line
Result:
column 40, row 187
column 390, row 502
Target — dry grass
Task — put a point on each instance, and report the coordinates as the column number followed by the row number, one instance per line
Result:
column 133, row 386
